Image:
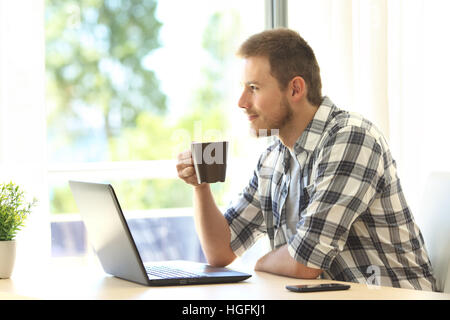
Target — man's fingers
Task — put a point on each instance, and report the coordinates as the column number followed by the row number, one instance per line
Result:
column 185, row 161
column 183, row 164
column 185, row 155
column 187, row 172
column 185, row 168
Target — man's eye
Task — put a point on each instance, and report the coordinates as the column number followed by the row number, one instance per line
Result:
column 253, row 88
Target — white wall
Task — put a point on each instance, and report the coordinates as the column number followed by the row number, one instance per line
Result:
column 22, row 116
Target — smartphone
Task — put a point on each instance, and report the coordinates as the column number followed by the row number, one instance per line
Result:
column 318, row 287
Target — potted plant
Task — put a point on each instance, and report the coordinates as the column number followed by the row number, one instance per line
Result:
column 14, row 210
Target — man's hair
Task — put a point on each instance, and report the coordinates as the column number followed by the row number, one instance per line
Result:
column 289, row 56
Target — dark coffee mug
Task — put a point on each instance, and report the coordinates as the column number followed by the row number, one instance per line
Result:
column 210, row 161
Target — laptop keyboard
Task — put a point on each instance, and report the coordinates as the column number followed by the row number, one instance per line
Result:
column 165, row 272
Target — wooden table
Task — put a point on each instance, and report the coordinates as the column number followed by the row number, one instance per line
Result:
column 83, row 278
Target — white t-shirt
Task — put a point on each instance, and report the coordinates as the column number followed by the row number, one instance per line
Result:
column 293, row 198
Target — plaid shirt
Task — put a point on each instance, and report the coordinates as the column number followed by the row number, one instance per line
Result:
column 353, row 220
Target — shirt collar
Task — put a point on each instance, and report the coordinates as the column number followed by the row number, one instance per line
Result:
column 313, row 132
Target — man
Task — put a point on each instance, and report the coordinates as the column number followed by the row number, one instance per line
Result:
column 326, row 193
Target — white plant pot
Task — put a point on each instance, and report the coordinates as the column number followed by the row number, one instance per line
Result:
column 7, row 258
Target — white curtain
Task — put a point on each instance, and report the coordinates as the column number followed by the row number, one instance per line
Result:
column 419, row 110
column 22, row 118
column 388, row 60
column 350, row 42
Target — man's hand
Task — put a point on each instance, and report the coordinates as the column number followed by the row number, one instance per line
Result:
column 186, row 170
column 280, row 262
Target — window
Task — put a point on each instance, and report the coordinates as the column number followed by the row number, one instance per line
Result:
column 129, row 85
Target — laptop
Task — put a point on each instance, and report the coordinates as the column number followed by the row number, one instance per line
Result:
column 114, row 245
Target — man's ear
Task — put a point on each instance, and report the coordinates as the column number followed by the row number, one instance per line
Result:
column 297, row 88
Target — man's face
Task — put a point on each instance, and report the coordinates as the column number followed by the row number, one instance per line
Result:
column 264, row 103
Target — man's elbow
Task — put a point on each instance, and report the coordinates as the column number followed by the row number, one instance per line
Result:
column 304, row 272
column 221, row 261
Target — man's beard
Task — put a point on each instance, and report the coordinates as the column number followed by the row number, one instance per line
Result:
column 273, row 127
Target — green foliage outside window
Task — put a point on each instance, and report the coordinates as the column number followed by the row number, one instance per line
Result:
column 94, row 62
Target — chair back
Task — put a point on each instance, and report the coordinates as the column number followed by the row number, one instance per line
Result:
column 434, row 224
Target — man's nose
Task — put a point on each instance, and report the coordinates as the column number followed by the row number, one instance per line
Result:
column 243, row 101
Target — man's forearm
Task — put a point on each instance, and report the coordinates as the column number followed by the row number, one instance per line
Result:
column 212, row 228
column 280, row 262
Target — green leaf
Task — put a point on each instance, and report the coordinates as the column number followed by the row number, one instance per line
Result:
column 14, row 210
